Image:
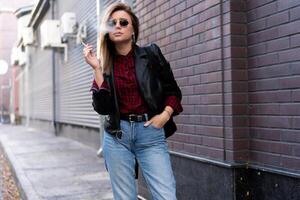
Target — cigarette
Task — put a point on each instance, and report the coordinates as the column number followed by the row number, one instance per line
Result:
column 84, row 44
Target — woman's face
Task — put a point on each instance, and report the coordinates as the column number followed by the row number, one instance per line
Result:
column 120, row 27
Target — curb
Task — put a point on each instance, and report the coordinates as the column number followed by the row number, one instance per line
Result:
column 26, row 189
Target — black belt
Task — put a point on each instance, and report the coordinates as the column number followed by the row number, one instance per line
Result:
column 134, row 117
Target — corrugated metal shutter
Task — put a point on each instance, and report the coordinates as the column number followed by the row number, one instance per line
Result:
column 74, row 102
column 40, row 84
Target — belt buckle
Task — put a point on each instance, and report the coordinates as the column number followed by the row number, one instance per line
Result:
column 129, row 118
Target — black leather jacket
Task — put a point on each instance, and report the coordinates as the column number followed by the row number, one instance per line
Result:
column 156, row 82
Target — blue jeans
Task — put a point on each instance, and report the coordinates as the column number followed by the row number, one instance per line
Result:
column 148, row 145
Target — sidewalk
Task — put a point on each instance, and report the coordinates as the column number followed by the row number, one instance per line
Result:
column 53, row 168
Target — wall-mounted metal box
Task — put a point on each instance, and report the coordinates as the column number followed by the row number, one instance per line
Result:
column 27, row 35
column 50, row 34
column 68, row 24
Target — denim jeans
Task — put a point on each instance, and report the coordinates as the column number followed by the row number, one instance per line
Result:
column 148, row 145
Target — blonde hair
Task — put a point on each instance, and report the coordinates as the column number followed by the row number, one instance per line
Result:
column 106, row 48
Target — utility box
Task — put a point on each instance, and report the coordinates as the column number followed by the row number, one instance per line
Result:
column 68, row 24
column 18, row 57
column 27, row 35
column 50, row 34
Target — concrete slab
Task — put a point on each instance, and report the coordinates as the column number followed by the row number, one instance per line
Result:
column 47, row 167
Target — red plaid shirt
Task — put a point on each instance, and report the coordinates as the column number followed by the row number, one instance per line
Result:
column 129, row 98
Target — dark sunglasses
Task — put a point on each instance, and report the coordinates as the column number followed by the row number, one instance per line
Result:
column 113, row 22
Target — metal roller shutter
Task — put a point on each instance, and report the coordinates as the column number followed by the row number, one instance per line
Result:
column 74, row 102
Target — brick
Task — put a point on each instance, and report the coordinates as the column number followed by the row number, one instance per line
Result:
column 177, row 146
column 238, row 17
column 295, row 13
column 180, row 137
column 283, row 4
column 269, row 59
column 193, row 40
column 255, row 4
column 186, row 32
column 296, row 150
column 213, row 142
column 270, row 96
column 208, row 67
column 290, row 163
column 198, row 8
column 188, row 90
column 263, row 85
column 265, row 109
column 277, row 19
column 194, row 80
column 270, row 71
column 289, row 29
column 198, row 28
column 295, row 40
column 238, row 5
column 237, row 144
column 290, row 109
column 180, row 7
column 208, row 109
column 193, row 60
column 170, row 12
column 211, row 77
column 289, row 55
column 295, row 95
column 238, row 40
column 210, row 56
column 195, row 139
column 180, row 26
column 279, row 44
column 289, row 82
column 209, row 152
column 189, row 148
column 257, row 25
column 187, row 52
column 165, row 6
column 212, row 131
column 264, row 158
column 296, row 122
column 271, row 121
column 212, row 23
column 211, row 88
column 266, row 10
column 290, row 135
column 266, row 134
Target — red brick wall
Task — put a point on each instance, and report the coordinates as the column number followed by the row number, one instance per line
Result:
column 237, row 63
column 191, row 38
column 274, row 82
column 188, row 33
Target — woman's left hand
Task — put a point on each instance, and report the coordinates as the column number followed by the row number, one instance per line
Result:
column 158, row 121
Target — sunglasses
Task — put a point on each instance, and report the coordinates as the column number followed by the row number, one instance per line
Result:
column 113, row 22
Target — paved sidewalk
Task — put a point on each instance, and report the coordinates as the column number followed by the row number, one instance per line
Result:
column 53, row 168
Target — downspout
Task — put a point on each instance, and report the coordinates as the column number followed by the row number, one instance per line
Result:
column 53, row 75
column 27, row 94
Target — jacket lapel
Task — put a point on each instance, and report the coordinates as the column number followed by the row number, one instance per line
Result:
column 141, row 63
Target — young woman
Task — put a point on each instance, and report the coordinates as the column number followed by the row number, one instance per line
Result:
column 135, row 87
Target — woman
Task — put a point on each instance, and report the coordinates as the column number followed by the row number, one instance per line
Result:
column 135, row 88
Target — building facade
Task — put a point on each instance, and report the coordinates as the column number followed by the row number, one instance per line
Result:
column 237, row 64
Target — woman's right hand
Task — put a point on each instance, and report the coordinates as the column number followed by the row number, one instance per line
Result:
column 90, row 57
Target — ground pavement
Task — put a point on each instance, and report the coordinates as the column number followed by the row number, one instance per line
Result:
column 48, row 167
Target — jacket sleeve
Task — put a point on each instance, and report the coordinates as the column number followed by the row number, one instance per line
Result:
column 102, row 101
column 169, row 84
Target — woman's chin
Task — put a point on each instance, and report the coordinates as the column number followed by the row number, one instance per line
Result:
column 120, row 40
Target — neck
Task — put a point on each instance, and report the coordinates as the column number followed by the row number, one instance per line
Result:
column 123, row 48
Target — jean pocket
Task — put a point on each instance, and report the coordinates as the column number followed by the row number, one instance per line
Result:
column 154, row 127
